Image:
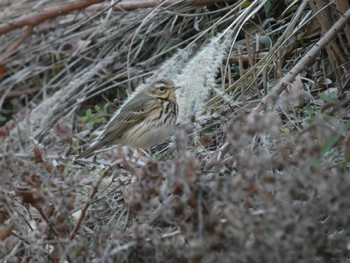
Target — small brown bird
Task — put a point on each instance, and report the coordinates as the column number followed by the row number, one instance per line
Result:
column 146, row 120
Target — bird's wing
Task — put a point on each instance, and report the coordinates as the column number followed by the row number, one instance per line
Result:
column 133, row 113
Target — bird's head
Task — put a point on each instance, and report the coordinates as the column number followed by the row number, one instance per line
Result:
column 162, row 89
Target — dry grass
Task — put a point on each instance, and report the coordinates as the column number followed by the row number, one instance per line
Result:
column 229, row 187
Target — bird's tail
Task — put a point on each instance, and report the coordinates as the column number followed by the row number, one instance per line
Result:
column 89, row 151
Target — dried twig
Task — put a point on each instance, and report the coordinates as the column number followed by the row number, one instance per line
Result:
column 11, row 49
column 308, row 57
column 50, row 225
column 18, row 93
column 342, row 6
column 49, row 13
column 139, row 4
column 91, row 196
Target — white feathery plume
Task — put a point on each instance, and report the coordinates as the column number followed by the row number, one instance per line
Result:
column 37, row 121
column 198, row 78
column 169, row 68
column 195, row 76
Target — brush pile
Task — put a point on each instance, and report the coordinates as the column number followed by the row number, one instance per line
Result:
column 257, row 169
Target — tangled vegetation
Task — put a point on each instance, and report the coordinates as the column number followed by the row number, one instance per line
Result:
column 257, row 169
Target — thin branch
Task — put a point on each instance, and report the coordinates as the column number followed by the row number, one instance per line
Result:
column 43, row 215
column 140, row 4
column 301, row 65
column 49, row 13
column 11, row 49
column 52, row 12
column 342, row 6
column 91, row 196
column 18, row 93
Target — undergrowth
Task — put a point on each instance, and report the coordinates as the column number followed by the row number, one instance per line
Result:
column 228, row 186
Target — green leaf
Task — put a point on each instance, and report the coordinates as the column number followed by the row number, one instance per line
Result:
column 156, row 156
column 88, row 112
column 314, row 161
column 329, row 144
column 267, row 6
column 246, row 4
column 328, row 97
column 265, row 40
column 212, row 33
column 95, row 120
column 347, row 159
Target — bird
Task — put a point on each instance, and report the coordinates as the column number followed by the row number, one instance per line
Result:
column 147, row 119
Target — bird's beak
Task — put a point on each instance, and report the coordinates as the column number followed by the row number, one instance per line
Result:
column 177, row 87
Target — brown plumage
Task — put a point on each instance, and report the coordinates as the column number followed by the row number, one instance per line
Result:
column 146, row 120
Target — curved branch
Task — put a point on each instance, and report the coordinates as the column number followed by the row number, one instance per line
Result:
column 301, row 65
column 138, row 4
column 11, row 49
column 49, row 13
column 52, row 12
column 90, row 198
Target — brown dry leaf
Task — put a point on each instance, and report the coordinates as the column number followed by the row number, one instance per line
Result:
column 38, row 157
column 29, row 197
column 4, row 215
column 61, row 226
column 60, row 168
column 270, row 179
column 192, row 201
column 31, row 179
column 206, row 141
column 55, row 255
column 346, row 146
column 313, row 29
column 50, row 210
column 247, row 204
column 178, row 187
column 5, row 232
column 327, row 106
column 252, row 190
column 4, row 131
column 294, row 96
column 48, row 166
column 63, row 131
column 3, row 70
column 265, row 196
column 297, row 86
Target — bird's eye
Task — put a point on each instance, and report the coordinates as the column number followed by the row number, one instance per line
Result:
column 161, row 88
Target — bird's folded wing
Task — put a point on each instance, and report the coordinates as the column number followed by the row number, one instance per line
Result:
column 132, row 114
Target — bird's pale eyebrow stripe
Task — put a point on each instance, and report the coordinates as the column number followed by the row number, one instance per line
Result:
column 158, row 85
